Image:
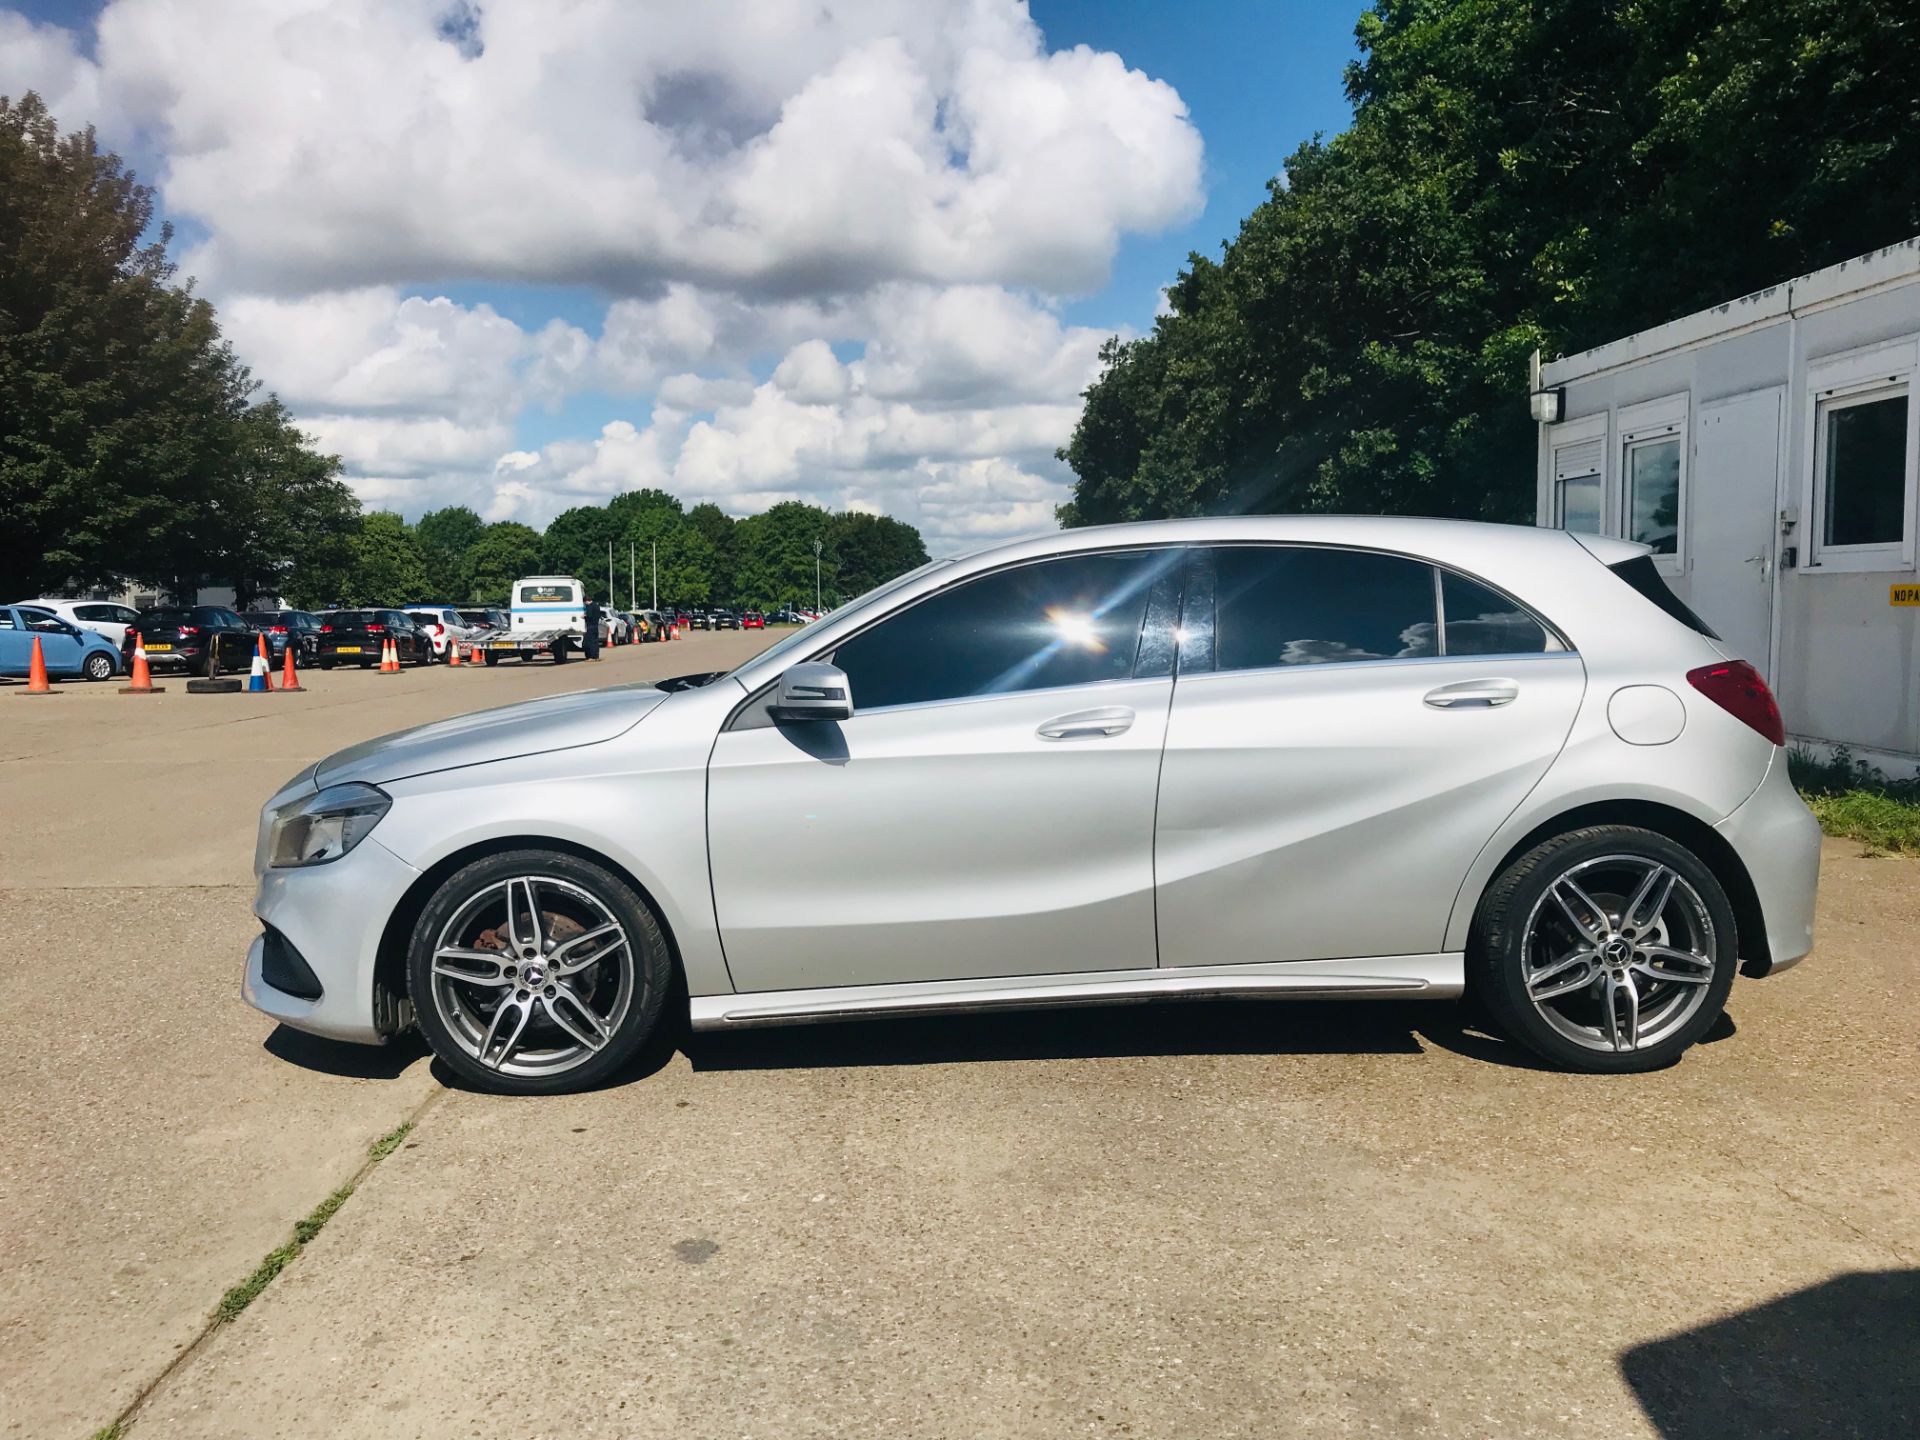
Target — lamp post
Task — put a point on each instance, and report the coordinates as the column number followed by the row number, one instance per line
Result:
column 816, row 575
column 653, row 548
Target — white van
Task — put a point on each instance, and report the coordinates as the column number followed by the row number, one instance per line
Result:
column 545, row 612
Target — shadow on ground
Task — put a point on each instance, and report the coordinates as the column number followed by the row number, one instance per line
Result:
column 1102, row 1032
column 336, row 1057
column 1840, row 1359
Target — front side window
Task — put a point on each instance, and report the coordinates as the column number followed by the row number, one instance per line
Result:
column 1653, row 494
column 1074, row 620
column 1299, row 605
column 1863, row 462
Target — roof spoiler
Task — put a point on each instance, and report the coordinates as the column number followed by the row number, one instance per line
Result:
column 1609, row 551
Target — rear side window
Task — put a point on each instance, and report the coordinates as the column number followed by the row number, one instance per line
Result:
column 167, row 617
column 1298, row 605
column 1070, row 621
column 1480, row 621
column 1640, row 573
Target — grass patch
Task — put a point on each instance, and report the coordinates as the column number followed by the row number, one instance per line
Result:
column 248, row 1290
column 109, row 1432
column 1852, row 799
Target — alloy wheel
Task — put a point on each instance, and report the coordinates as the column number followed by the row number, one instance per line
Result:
column 1620, row 953
column 532, row 976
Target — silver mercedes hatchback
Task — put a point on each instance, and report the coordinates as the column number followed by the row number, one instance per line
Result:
column 1273, row 758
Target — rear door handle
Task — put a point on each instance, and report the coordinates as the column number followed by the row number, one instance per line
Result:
column 1085, row 724
column 1473, row 694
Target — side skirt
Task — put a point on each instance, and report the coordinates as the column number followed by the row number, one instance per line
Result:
column 1403, row 977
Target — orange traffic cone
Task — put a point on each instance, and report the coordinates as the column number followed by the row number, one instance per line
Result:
column 453, row 651
column 266, row 665
column 473, row 653
column 389, row 656
column 37, row 672
column 142, row 679
column 289, row 678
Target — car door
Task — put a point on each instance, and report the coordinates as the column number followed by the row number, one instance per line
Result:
column 15, row 643
column 987, row 811
column 1347, row 730
column 60, row 641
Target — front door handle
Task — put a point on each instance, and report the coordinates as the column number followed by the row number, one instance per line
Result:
column 1473, row 694
column 1084, row 724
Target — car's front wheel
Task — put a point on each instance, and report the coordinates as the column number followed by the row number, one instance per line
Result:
column 98, row 666
column 536, row 971
column 1609, row 948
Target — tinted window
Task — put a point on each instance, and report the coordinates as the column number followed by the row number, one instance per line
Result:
column 1483, row 622
column 6, row 620
column 97, row 612
column 1071, row 621
column 167, row 617
column 1293, row 605
column 1641, row 573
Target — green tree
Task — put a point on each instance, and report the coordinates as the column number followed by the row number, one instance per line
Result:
column 445, row 536
column 869, row 550
column 128, row 446
column 1518, row 173
column 776, row 555
column 505, row 553
column 285, row 520
column 576, row 544
column 718, row 529
column 384, row 565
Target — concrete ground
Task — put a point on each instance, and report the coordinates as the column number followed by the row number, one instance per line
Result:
column 1182, row 1221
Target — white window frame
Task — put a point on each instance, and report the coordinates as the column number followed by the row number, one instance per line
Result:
column 1562, row 436
column 1653, row 422
column 1877, row 372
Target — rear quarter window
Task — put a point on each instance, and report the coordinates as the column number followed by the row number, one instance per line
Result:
column 1641, row 575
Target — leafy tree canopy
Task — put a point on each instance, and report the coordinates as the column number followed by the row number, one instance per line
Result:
column 130, row 446
column 445, row 536
column 1518, row 174
column 505, row 553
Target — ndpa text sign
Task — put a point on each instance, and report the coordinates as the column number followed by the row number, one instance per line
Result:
column 1904, row 595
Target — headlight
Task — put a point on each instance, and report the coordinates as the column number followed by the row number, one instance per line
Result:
column 324, row 827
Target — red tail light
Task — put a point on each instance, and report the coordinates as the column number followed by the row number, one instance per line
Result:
column 326, row 629
column 376, row 629
column 1736, row 687
column 279, row 629
column 189, row 629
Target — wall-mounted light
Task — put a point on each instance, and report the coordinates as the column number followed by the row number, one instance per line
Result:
column 1548, row 406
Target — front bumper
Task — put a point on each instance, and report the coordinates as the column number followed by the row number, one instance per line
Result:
column 1778, row 840
column 334, row 915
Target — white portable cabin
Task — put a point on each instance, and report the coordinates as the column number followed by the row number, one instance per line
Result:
column 1769, row 449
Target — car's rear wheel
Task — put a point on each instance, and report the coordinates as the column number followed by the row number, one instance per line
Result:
column 98, row 666
column 535, row 972
column 1609, row 948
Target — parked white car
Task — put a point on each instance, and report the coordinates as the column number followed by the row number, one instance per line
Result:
column 1296, row 757
column 444, row 626
column 106, row 618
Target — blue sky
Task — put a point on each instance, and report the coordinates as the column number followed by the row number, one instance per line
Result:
column 862, row 255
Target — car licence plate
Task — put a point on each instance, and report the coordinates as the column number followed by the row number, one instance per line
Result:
column 159, row 647
column 346, row 649
column 503, row 645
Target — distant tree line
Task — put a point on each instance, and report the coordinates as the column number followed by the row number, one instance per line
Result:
column 1518, row 174
column 704, row 555
column 134, row 447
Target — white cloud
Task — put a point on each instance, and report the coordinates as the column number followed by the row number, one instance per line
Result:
column 755, row 188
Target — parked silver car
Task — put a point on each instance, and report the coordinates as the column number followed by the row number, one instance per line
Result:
column 1304, row 757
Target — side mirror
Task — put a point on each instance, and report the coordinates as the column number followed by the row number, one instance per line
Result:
column 812, row 690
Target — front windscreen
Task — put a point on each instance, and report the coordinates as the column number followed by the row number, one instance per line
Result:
column 546, row 594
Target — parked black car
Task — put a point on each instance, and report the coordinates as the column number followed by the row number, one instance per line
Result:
column 356, row 637
column 300, row 627
column 198, row 639
column 722, row 620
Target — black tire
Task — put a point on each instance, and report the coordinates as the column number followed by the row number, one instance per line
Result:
column 98, row 666
column 1498, row 948
column 324, row 664
column 489, row 657
column 560, row 653
column 650, row 961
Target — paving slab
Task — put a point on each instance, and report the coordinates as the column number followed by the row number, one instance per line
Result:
column 1182, row 1221
column 159, row 1137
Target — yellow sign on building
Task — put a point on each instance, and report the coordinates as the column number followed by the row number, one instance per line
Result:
column 1904, row 595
